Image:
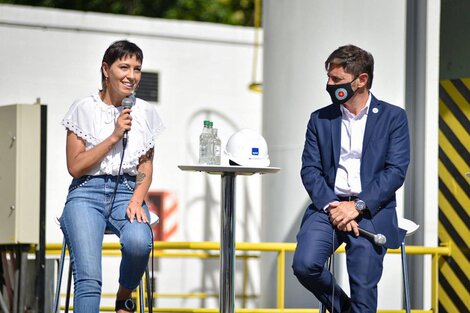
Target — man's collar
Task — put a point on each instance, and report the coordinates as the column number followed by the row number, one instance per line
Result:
column 364, row 110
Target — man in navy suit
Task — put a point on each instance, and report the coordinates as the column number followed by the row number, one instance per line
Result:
column 355, row 157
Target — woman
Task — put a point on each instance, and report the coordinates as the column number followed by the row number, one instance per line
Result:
column 110, row 180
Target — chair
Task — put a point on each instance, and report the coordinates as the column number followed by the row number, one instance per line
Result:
column 153, row 220
column 410, row 227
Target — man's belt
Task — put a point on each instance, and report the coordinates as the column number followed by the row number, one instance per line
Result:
column 347, row 198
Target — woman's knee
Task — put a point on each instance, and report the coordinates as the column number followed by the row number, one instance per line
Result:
column 85, row 288
column 137, row 244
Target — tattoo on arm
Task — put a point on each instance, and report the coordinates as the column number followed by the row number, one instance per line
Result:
column 139, row 179
column 147, row 157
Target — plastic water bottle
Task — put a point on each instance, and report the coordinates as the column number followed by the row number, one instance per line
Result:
column 216, row 146
column 205, row 151
column 211, row 143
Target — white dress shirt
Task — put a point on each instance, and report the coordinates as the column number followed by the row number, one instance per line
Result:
column 348, row 176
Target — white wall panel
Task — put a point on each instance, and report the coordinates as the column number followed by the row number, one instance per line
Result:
column 298, row 37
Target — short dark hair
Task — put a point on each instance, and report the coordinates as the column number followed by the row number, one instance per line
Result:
column 116, row 51
column 354, row 60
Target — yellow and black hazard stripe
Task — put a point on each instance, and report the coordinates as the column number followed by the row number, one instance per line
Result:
column 454, row 194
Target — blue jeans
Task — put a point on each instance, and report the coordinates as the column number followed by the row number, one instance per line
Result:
column 88, row 212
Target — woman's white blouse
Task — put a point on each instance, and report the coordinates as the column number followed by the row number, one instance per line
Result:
column 93, row 120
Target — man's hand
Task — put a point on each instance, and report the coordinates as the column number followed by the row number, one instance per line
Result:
column 352, row 227
column 342, row 215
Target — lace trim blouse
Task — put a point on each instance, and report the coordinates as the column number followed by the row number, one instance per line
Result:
column 93, row 120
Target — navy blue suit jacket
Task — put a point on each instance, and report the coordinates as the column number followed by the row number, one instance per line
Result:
column 384, row 161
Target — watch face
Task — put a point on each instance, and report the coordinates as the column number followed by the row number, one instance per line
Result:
column 360, row 205
column 129, row 304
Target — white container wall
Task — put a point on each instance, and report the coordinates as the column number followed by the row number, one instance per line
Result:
column 204, row 71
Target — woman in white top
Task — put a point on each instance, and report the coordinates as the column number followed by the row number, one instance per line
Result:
column 110, row 150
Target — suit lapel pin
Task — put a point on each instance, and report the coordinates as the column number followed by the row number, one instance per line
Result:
column 375, row 110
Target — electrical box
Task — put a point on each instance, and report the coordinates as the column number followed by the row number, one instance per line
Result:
column 20, row 173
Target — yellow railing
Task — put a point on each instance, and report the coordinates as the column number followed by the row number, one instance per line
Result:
column 160, row 247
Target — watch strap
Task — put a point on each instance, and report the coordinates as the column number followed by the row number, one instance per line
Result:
column 126, row 305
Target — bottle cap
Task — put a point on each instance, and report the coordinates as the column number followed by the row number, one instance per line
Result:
column 207, row 122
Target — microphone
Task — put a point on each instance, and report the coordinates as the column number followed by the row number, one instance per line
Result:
column 127, row 103
column 378, row 239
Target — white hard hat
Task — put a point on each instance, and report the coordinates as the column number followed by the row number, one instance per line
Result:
column 247, row 148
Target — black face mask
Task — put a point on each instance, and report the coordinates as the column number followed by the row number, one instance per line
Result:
column 340, row 93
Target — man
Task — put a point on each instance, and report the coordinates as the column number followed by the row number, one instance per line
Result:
column 355, row 158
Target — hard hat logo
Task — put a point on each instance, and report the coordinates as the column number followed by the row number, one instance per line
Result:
column 247, row 148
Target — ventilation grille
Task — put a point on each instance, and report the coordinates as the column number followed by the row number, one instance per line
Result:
column 148, row 87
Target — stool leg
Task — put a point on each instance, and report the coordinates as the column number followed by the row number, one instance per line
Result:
column 59, row 278
column 141, row 296
column 328, row 264
column 149, row 290
column 3, row 305
column 69, row 285
column 405, row 277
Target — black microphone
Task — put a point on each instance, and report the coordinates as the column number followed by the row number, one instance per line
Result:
column 127, row 103
column 378, row 239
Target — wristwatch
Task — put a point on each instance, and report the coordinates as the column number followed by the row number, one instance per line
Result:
column 360, row 205
column 127, row 305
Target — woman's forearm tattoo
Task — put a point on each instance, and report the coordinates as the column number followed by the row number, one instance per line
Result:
column 139, row 179
column 147, row 157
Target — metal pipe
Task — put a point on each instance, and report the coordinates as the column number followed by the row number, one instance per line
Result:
column 227, row 244
column 54, row 248
column 59, row 277
column 405, row 278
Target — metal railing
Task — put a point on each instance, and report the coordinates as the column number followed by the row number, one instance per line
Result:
column 161, row 250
